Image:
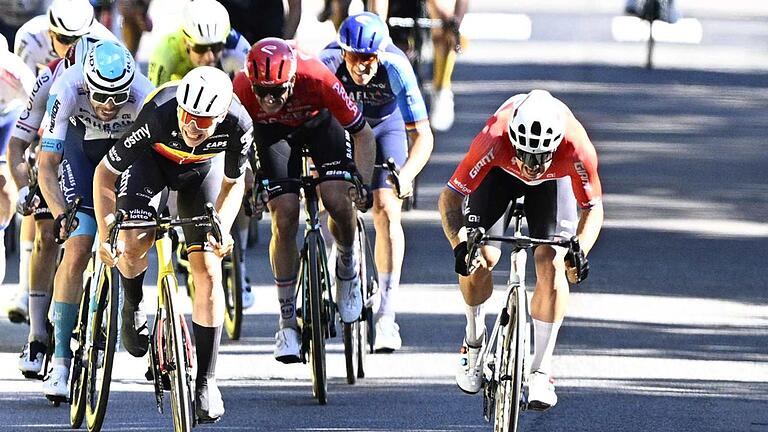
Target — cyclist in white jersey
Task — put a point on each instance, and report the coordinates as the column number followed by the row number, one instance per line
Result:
column 36, row 271
column 104, row 95
column 47, row 37
column 16, row 83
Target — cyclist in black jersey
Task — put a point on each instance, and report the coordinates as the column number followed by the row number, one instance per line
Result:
column 191, row 136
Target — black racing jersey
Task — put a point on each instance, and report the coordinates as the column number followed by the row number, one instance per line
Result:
column 157, row 129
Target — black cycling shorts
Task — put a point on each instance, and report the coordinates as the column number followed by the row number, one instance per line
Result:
column 550, row 207
column 141, row 191
column 279, row 150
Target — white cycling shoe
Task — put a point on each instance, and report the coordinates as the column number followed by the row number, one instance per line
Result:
column 441, row 114
column 56, row 383
column 349, row 299
column 18, row 308
column 387, row 335
column 248, row 297
column 469, row 375
column 541, row 391
column 287, row 345
column 31, row 359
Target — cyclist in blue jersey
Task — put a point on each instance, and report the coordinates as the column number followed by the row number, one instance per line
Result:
column 379, row 77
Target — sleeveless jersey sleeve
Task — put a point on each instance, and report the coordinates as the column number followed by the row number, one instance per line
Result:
column 32, row 116
column 583, row 171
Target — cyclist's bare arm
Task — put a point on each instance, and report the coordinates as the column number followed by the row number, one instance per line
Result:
column 422, row 143
column 104, row 198
column 229, row 200
column 48, row 168
column 590, row 223
column 448, row 10
column 365, row 152
column 19, row 169
column 449, row 204
column 292, row 19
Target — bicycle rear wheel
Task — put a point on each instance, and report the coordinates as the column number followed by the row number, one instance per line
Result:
column 79, row 362
column 317, row 340
column 233, row 292
column 510, row 376
column 177, row 361
column 103, row 343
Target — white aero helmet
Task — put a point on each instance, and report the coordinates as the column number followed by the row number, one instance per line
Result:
column 109, row 68
column 70, row 17
column 206, row 22
column 537, row 124
column 205, row 91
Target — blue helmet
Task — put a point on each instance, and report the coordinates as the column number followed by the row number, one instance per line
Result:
column 364, row 33
column 109, row 67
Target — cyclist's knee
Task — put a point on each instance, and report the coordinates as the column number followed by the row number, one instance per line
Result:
column 45, row 240
column 491, row 254
column 386, row 207
column 77, row 252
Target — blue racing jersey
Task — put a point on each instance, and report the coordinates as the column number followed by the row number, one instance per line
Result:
column 394, row 86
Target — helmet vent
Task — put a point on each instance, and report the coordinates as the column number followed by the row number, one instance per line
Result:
column 373, row 39
column 266, row 70
column 280, row 71
column 359, row 36
column 186, row 93
column 197, row 100
column 211, row 104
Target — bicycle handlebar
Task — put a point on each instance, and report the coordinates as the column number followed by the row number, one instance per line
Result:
column 66, row 220
column 391, row 166
column 165, row 222
column 478, row 237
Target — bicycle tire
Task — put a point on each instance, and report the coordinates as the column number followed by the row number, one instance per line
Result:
column 351, row 337
column 233, row 292
column 79, row 365
column 317, row 340
column 510, row 386
column 362, row 341
column 103, row 344
column 177, row 366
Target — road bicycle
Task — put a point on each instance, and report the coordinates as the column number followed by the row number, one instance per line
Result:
column 505, row 358
column 317, row 311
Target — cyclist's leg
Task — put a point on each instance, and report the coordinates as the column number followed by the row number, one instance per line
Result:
column 280, row 160
column 550, row 210
column 8, row 192
column 331, row 149
column 443, row 42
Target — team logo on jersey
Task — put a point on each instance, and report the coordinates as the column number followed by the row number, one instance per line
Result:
column 582, row 172
column 54, row 111
column 138, row 134
column 215, row 145
column 351, row 105
column 481, row 163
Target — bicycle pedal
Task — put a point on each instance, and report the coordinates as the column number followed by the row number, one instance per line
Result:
column 57, row 400
column 32, row 375
column 208, row 420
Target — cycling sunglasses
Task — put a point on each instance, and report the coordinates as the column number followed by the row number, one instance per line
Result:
column 533, row 160
column 365, row 59
column 101, row 98
column 65, row 40
column 201, row 122
column 274, row 91
column 202, row 49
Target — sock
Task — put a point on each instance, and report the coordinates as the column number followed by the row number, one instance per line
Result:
column 346, row 262
column 39, row 302
column 389, row 283
column 207, row 341
column 475, row 330
column 64, row 320
column 544, row 337
column 24, row 256
column 286, row 295
column 133, row 290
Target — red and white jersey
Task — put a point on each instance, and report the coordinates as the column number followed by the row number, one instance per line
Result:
column 34, row 46
column 16, row 82
column 316, row 87
column 33, row 115
column 575, row 158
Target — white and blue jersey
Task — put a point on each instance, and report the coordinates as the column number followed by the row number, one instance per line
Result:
column 16, row 83
column 393, row 87
column 81, row 138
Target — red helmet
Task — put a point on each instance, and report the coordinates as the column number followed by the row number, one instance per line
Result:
column 271, row 62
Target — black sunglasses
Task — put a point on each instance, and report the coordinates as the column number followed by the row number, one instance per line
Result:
column 202, row 49
column 274, row 91
column 66, row 40
column 533, row 160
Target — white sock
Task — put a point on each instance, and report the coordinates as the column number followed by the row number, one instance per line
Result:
column 25, row 254
column 475, row 325
column 544, row 338
column 346, row 262
column 39, row 303
column 389, row 284
column 286, row 295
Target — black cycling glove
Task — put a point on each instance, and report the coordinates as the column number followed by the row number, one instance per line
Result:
column 460, row 253
column 576, row 259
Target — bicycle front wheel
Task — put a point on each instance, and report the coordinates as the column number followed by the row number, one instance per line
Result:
column 177, row 360
column 103, row 344
column 233, row 292
column 510, row 376
column 317, row 340
column 79, row 377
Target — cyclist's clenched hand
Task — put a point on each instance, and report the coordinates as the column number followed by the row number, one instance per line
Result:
column 224, row 248
column 107, row 256
column 25, row 205
column 363, row 200
column 576, row 265
column 403, row 188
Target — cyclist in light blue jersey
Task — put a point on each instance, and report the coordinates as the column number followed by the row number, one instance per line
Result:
column 378, row 76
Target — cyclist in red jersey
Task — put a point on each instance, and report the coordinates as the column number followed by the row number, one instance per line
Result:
column 532, row 147
column 289, row 96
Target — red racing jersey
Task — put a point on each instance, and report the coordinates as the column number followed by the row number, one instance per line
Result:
column 575, row 157
column 315, row 88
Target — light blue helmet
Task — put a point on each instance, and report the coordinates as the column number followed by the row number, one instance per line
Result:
column 109, row 68
column 364, row 33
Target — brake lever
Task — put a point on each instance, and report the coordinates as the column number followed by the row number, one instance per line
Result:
column 213, row 217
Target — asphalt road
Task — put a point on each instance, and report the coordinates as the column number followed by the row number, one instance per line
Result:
column 668, row 333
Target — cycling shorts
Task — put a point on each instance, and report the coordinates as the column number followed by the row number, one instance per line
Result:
column 550, row 207
column 279, row 150
column 142, row 191
column 391, row 142
column 78, row 164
